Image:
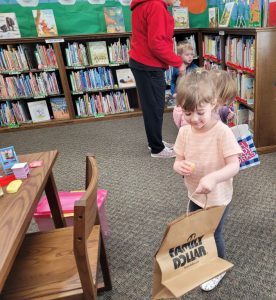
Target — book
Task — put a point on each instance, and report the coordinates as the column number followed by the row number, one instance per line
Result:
column 8, row 158
column 39, row 111
column 181, row 17
column 255, row 13
column 114, row 19
column 59, row 108
column 8, row 26
column 125, row 78
column 226, row 15
column 247, row 88
column 170, row 102
column 272, row 13
column 98, row 53
column 45, row 22
column 213, row 17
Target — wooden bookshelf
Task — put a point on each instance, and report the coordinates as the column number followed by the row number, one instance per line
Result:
column 264, row 73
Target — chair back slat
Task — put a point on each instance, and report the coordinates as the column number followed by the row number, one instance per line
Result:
column 85, row 215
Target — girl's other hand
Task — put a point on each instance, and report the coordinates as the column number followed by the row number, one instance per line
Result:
column 206, row 185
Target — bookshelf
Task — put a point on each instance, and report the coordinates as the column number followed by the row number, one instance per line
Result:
column 264, row 73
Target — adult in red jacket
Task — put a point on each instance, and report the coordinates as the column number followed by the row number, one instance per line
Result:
column 151, row 53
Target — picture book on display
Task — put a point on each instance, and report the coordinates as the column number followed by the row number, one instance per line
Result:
column 39, row 111
column 59, row 107
column 125, row 78
column 8, row 26
column 272, row 13
column 8, row 158
column 45, row 22
column 213, row 17
column 114, row 19
column 226, row 15
column 98, row 53
column 181, row 17
column 247, row 89
column 255, row 14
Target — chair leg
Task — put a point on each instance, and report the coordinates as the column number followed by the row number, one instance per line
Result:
column 105, row 268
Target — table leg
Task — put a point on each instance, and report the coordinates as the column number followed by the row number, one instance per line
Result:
column 54, row 203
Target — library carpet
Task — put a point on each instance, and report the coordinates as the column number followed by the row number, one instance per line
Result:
column 145, row 194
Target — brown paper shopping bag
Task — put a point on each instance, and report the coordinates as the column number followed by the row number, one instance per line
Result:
column 188, row 255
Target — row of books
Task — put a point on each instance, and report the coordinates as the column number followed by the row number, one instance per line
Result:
column 100, row 78
column 32, row 85
column 241, row 51
column 245, row 86
column 95, row 104
column 95, row 53
column 24, row 57
column 92, row 79
column 18, row 112
column 45, row 57
column 212, row 47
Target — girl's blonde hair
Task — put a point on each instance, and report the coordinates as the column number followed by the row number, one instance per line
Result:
column 183, row 46
column 226, row 88
column 195, row 89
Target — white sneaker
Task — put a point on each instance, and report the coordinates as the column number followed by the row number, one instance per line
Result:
column 165, row 153
column 211, row 284
column 167, row 145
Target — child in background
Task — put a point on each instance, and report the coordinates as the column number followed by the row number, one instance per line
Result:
column 186, row 51
column 225, row 94
column 207, row 153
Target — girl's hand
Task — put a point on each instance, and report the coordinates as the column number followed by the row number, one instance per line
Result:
column 183, row 167
column 206, row 185
column 174, row 95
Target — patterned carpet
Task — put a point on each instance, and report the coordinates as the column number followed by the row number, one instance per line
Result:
column 145, row 194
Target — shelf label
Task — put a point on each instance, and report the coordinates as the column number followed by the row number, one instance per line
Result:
column 51, row 41
column 221, row 32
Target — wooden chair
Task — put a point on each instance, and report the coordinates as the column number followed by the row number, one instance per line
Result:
column 63, row 263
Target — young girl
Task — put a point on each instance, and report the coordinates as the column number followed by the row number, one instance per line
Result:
column 206, row 152
column 226, row 92
column 225, row 95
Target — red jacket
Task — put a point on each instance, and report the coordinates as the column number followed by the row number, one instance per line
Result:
column 152, row 32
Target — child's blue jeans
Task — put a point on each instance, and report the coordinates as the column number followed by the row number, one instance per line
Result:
column 219, row 231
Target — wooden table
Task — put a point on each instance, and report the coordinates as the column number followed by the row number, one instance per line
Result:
column 16, row 210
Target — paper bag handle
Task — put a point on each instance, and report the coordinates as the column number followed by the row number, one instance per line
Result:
column 187, row 210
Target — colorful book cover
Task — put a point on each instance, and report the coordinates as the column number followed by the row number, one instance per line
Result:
column 39, row 111
column 45, row 22
column 8, row 26
column 213, row 17
column 114, row 19
column 226, row 15
column 181, row 17
column 255, row 13
column 125, row 78
column 59, row 107
column 247, row 89
column 272, row 13
column 98, row 53
column 8, row 158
